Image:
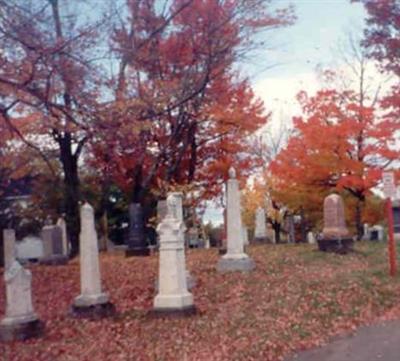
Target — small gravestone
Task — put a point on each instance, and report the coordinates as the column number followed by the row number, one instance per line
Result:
column 137, row 244
column 173, row 296
column 260, row 232
column 366, row 232
column 92, row 302
column 377, row 233
column 335, row 235
column 245, row 236
column 53, row 246
column 311, row 238
column 30, row 249
column 64, row 235
column 396, row 218
column 20, row 321
column 235, row 258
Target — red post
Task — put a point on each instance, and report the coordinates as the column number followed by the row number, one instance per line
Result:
column 391, row 244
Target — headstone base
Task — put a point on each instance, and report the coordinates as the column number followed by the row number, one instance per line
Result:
column 261, row 240
column 56, row 260
column 174, row 312
column 233, row 264
column 94, row 312
column 21, row 331
column 137, row 252
column 336, row 245
column 221, row 251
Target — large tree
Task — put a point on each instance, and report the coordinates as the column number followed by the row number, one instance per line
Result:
column 46, row 75
column 340, row 144
column 181, row 112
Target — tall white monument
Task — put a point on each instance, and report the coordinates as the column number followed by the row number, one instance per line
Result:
column 235, row 259
column 173, row 295
column 260, row 232
column 92, row 302
column 20, row 321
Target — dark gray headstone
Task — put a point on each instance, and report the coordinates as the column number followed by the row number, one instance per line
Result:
column 137, row 244
column 396, row 218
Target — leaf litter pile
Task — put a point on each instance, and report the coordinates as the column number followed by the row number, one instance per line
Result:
column 296, row 298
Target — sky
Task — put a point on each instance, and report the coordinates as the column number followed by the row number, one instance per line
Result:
column 295, row 52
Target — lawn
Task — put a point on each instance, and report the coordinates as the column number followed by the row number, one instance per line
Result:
column 295, row 299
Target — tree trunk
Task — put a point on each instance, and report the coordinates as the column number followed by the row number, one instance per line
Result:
column 303, row 226
column 358, row 219
column 71, row 191
column 277, row 230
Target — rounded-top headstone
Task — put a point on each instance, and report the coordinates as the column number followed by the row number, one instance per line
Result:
column 334, row 220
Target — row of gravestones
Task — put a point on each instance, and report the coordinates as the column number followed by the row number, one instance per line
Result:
column 51, row 248
column 21, row 322
column 173, row 296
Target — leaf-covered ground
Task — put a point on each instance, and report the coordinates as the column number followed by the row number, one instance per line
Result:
column 295, row 299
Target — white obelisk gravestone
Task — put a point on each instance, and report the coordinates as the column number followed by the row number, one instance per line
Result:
column 92, row 302
column 235, row 259
column 173, row 295
column 20, row 321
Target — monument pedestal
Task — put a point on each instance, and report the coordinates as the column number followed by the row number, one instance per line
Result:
column 93, row 312
column 137, row 252
column 337, row 245
column 20, row 331
column 185, row 311
column 55, row 260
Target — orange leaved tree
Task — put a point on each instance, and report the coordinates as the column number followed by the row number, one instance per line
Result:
column 338, row 145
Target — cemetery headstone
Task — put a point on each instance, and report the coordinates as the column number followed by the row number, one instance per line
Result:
column 65, row 243
column 366, row 232
column 335, row 235
column 396, row 220
column 245, row 236
column 377, row 233
column 52, row 239
column 271, row 234
column 92, row 302
column 173, row 296
column 30, row 249
column 235, row 258
column 20, row 321
column 260, row 232
column 311, row 238
column 137, row 244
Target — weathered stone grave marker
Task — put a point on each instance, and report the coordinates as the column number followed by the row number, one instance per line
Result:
column 335, row 235
column 20, row 321
column 92, row 302
column 137, row 244
column 235, row 259
column 173, row 295
column 260, row 232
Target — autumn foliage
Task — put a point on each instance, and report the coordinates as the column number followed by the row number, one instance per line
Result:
column 338, row 145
